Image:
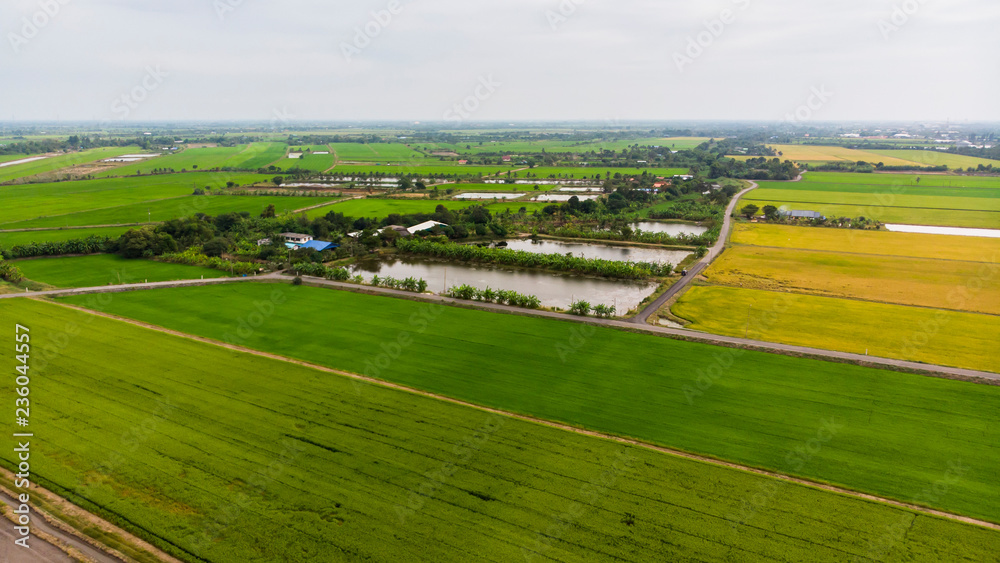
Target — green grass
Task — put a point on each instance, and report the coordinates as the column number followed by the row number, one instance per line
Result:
column 982, row 200
column 102, row 269
column 13, row 157
column 376, row 152
column 8, row 240
column 314, row 162
column 382, row 208
column 890, row 331
column 51, row 165
column 257, row 155
column 166, row 209
column 221, row 456
column 900, row 430
column 187, row 159
column 36, row 201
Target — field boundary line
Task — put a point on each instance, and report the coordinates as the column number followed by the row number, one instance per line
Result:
column 340, row 200
column 552, row 424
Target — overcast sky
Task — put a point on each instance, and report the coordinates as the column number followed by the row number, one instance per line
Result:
column 602, row 60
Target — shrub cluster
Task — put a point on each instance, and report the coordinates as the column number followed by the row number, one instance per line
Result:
column 503, row 297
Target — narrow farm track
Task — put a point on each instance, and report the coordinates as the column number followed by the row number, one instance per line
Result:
column 317, row 206
column 556, row 425
column 43, row 530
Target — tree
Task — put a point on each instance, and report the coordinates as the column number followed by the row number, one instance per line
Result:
column 216, row 247
column 278, row 180
column 749, row 210
column 269, row 212
column 771, row 212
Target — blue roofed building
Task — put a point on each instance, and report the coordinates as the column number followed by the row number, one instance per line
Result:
column 319, row 245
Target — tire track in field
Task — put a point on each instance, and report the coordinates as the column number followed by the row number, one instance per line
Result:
column 557, row 425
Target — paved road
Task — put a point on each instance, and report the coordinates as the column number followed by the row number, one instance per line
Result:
column 693, row 272
column 41, row 551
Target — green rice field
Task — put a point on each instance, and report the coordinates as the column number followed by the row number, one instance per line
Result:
column 185, row 160
column 166, row 209
column 257, row 155
column 376, row 152
column 314, row 162
column 753, row 408
column 215, row 455
column 104, row 269
column 11, row 239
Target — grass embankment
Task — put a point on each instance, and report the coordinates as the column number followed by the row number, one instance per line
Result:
column 938, row 337
column 900, row 431
column 222, row 456
column 105, row 269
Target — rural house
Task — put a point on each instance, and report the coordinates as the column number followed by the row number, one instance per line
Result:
column 296, row 238
column 425, row 226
